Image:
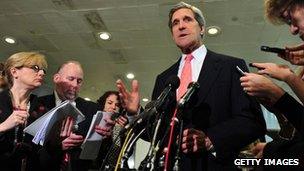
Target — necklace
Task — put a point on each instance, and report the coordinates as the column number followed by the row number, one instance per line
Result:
column 17, row 141
column 18, row 108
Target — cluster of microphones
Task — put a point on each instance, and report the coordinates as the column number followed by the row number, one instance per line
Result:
column 155, row 106
column 153, row 110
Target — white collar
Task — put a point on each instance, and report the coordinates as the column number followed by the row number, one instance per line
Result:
column 198, row 54
column 58, row 101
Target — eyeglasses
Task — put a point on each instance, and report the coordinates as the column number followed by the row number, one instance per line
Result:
column 36, row 68
column 286, row 19
column 285, row 14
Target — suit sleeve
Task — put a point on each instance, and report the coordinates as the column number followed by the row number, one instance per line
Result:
column 6, row 137
column 292, row 110
column 158, row 86
column 246, row 122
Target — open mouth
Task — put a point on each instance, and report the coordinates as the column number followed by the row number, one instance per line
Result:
column 183, row 35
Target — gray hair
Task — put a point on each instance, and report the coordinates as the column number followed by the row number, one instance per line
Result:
column 198, row 15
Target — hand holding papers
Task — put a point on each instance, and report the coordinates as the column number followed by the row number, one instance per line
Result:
column 93, row 140
column 43, row 128
column 68, row 126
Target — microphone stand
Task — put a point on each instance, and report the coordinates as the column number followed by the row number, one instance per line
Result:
column 103, row 166
column 130, row 144
column 177, row 119
column 124, row 161
column 150, row 158
column 173, row 122
column 180, row 108
column 123, row 149
column 161, row 160
column 159, row 144
column 127, row 150
column 177, row 158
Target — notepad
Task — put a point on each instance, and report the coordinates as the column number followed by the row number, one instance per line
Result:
column 42, row 128
column 92, row 142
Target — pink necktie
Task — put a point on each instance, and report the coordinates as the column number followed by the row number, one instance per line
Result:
column 186, row 76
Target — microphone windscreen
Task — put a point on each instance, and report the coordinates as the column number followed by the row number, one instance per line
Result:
column 150, row 104
column 174, row 81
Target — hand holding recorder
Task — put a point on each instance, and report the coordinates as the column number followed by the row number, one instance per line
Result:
column 293, row 54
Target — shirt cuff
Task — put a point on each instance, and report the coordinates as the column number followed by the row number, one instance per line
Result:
column 209, row 146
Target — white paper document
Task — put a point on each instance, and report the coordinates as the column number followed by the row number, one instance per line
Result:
column 42, row 129
column 92, row 142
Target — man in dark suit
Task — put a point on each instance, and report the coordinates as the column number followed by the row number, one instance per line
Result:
column 221, row 118
column 68, row 81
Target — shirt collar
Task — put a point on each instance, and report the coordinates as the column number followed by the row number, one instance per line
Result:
column 58, row 101
column 198, row 54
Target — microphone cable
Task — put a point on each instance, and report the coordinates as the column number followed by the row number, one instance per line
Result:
column 130, row 143
column 108, row 153
column 123, row 149
column 172, row 124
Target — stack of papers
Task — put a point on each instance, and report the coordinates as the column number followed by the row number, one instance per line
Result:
column 92, row 142
column 42, row 128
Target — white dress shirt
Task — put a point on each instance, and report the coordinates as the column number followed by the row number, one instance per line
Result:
column 196, row 63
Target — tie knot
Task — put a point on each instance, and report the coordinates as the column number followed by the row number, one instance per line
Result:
column 189, row 57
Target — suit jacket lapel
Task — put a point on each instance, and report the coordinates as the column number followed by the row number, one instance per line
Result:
column 49, row 102
column 34, row 103
column 173, row 70
column 209, row 72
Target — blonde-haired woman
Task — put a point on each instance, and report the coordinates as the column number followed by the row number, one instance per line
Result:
column 23, row 72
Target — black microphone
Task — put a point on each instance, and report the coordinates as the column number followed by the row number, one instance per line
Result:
column 142, row 116
column 192, row 87
column 273, row 49
column 171, row 85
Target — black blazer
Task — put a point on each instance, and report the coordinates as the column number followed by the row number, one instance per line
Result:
column 9, row 155
column 229, row 117
column 52, row 155
column 285, row 149
column 293, row 110
column 288, row 149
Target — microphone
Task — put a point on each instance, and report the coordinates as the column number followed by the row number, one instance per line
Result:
column 192, row 87
column 142, row 116
column 273, row 49
column 171, row 85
